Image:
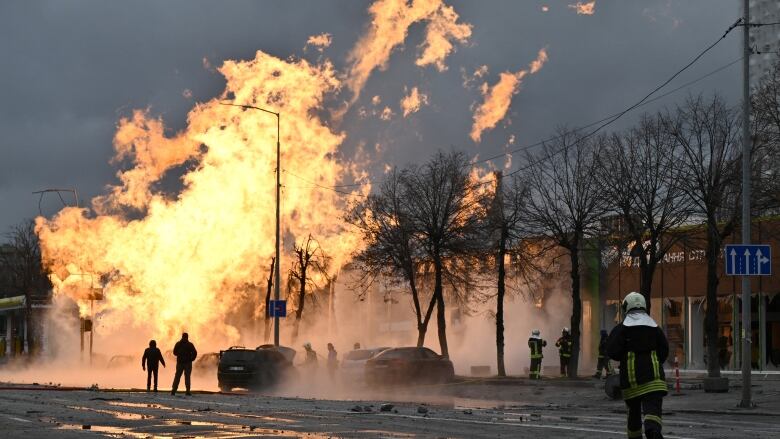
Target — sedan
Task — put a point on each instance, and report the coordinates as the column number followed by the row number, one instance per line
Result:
column 410, row 365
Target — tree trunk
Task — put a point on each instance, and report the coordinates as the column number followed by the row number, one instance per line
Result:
column 646, row 271
column 267, row 333
column 422, row 326
column 711, row 318
column 439, row 296
column 576, row 309
column 301, row 302
column 30, row 339
column 500, row 304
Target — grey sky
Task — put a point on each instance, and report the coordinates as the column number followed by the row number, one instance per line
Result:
column 71, row 69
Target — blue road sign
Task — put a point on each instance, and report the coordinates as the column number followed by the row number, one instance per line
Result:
column 277, row 308
column 748, row 260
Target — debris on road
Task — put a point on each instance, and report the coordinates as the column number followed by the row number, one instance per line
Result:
column 386, row 407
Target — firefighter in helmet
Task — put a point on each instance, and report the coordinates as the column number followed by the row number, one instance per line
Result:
column 603, row 362
column 564, row 350
column 535, row 344
column 641, row 348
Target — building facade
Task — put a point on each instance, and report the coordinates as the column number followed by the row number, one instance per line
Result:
column 679, row 299
column 765, row 39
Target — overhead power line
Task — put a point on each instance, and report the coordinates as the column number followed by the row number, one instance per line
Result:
column 637, row 104
column 604, row 122
column 649, row 101
column 331, row 188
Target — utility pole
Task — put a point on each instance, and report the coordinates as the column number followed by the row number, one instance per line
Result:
column 278, row 198
column 278, row 234
column 746, row 146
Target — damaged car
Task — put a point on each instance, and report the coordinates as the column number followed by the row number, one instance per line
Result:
column 252, row 369
column 408, row 365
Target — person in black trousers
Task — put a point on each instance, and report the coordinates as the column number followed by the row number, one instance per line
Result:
column 150, row 362
column 642, row 349
column 185, row 354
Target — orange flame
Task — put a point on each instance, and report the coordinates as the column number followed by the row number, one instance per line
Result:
column 499, row 97
column 390, row 22
column 586, row 8
column 183, row 262
column 412, row 103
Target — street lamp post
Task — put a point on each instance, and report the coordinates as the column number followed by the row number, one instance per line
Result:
column 278, row 234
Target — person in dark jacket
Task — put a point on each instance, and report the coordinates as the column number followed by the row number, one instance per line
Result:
column 150, row 362
column 310, row 362
column 535, row 344
column 185, row 354
column 603, row 362
column 333, row 360
column 564, row 350
column 641, row 348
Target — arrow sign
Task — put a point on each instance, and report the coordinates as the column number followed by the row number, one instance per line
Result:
column 761, row 261
column 748, row 260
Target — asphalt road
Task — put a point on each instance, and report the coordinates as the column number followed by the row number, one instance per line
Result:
column 518, row 410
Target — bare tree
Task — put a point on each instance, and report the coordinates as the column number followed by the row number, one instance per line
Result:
column 27, row 276
column 310, row 261
column 644, row 186
column 766, row 145
column 565, row 205
column 269, row 286
column 708, row 132
column 391, row 250
column 443, row 206
column 505, row 232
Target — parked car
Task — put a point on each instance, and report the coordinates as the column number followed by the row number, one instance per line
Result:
column 353, row 364
column 288, row 353
column 251, row 368
column 411, row 365
column 120, row 361
column 206, row 363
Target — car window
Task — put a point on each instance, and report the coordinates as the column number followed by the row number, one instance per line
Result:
column 404, row 353
column 428, row 354
column 238, row 355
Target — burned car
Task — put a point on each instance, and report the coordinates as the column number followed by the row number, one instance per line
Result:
column 353, row 366
column 409, row 365
column 252, row 369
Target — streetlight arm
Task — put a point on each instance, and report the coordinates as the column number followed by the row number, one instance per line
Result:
column 249, row 106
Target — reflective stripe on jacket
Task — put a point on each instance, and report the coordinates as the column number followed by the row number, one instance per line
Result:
column 536, row 345
column 564, row 346
column 641, row 351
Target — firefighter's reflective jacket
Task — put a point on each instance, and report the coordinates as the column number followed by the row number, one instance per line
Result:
column 641, row 348
column 536, row 345
column 564, row 346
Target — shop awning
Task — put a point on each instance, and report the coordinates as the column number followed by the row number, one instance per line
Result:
column 15, row 302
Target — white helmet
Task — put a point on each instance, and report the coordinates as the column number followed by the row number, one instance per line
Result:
column 535, row 332
column 633, row 301
column 565, row 330
column 307, row 345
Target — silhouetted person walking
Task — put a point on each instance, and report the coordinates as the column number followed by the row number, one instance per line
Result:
column 150, row 362
column 185, row 354
column 333, row 360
